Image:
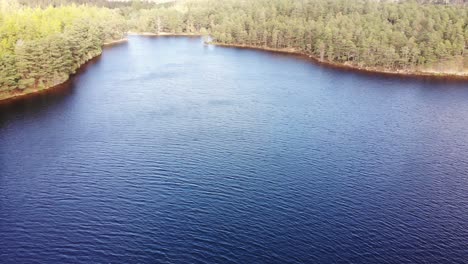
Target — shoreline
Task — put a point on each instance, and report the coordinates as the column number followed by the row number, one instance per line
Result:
column 113, row 42
column 13, row 96
column 17, row 95
column 342, row 66
column 291, row 51
column 151, row 34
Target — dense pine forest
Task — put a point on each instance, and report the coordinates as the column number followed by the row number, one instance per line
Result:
column 40, row 48
column 362, row 33
column 44, row 41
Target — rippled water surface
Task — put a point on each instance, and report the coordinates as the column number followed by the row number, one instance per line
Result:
column 168, row 151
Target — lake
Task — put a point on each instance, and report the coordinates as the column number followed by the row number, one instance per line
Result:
column 165, row 150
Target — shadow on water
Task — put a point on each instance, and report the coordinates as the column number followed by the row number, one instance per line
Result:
column 168, row 151
column 352, row 71
column 36, row 103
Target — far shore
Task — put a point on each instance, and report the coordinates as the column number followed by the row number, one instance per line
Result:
column 130, row 33
column 113, row 42
column 11, row 96
column 398, row 72
column 402, row 73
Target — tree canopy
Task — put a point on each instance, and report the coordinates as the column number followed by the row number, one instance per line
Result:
column 42, row 47
column 393, row 35
column 42, row 43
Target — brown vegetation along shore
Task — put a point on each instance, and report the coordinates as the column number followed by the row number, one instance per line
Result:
column 432, row 72
column 18, row 94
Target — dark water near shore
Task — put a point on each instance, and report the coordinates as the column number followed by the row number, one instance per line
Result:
column 168, row 151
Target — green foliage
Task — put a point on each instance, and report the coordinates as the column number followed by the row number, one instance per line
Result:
column 42, row 47
column 8, row 73
column 393, row 35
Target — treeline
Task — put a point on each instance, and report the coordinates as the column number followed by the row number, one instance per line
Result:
column 136, row 4
column 390, row 35
column 443, row 2
column 40, row 48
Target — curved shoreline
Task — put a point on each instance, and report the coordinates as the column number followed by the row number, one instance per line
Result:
column 342, row 66
column 114, row 42
column 409, row 74
column 151, row 34
column 8, row 97
column 17, row 95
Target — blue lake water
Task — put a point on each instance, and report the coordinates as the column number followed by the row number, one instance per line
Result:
column 164, row 150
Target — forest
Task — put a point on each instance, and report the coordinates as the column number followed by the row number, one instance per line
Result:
column 362, row 33
column 44, row 41
column 40, row 48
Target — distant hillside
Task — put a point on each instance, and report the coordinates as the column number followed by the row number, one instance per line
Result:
column 152, row 1
column 458, row 2
column 102, row 3
column 45, row 3
column 443, row 2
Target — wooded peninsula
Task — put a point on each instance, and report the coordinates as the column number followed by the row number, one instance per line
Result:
column 43, row 42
